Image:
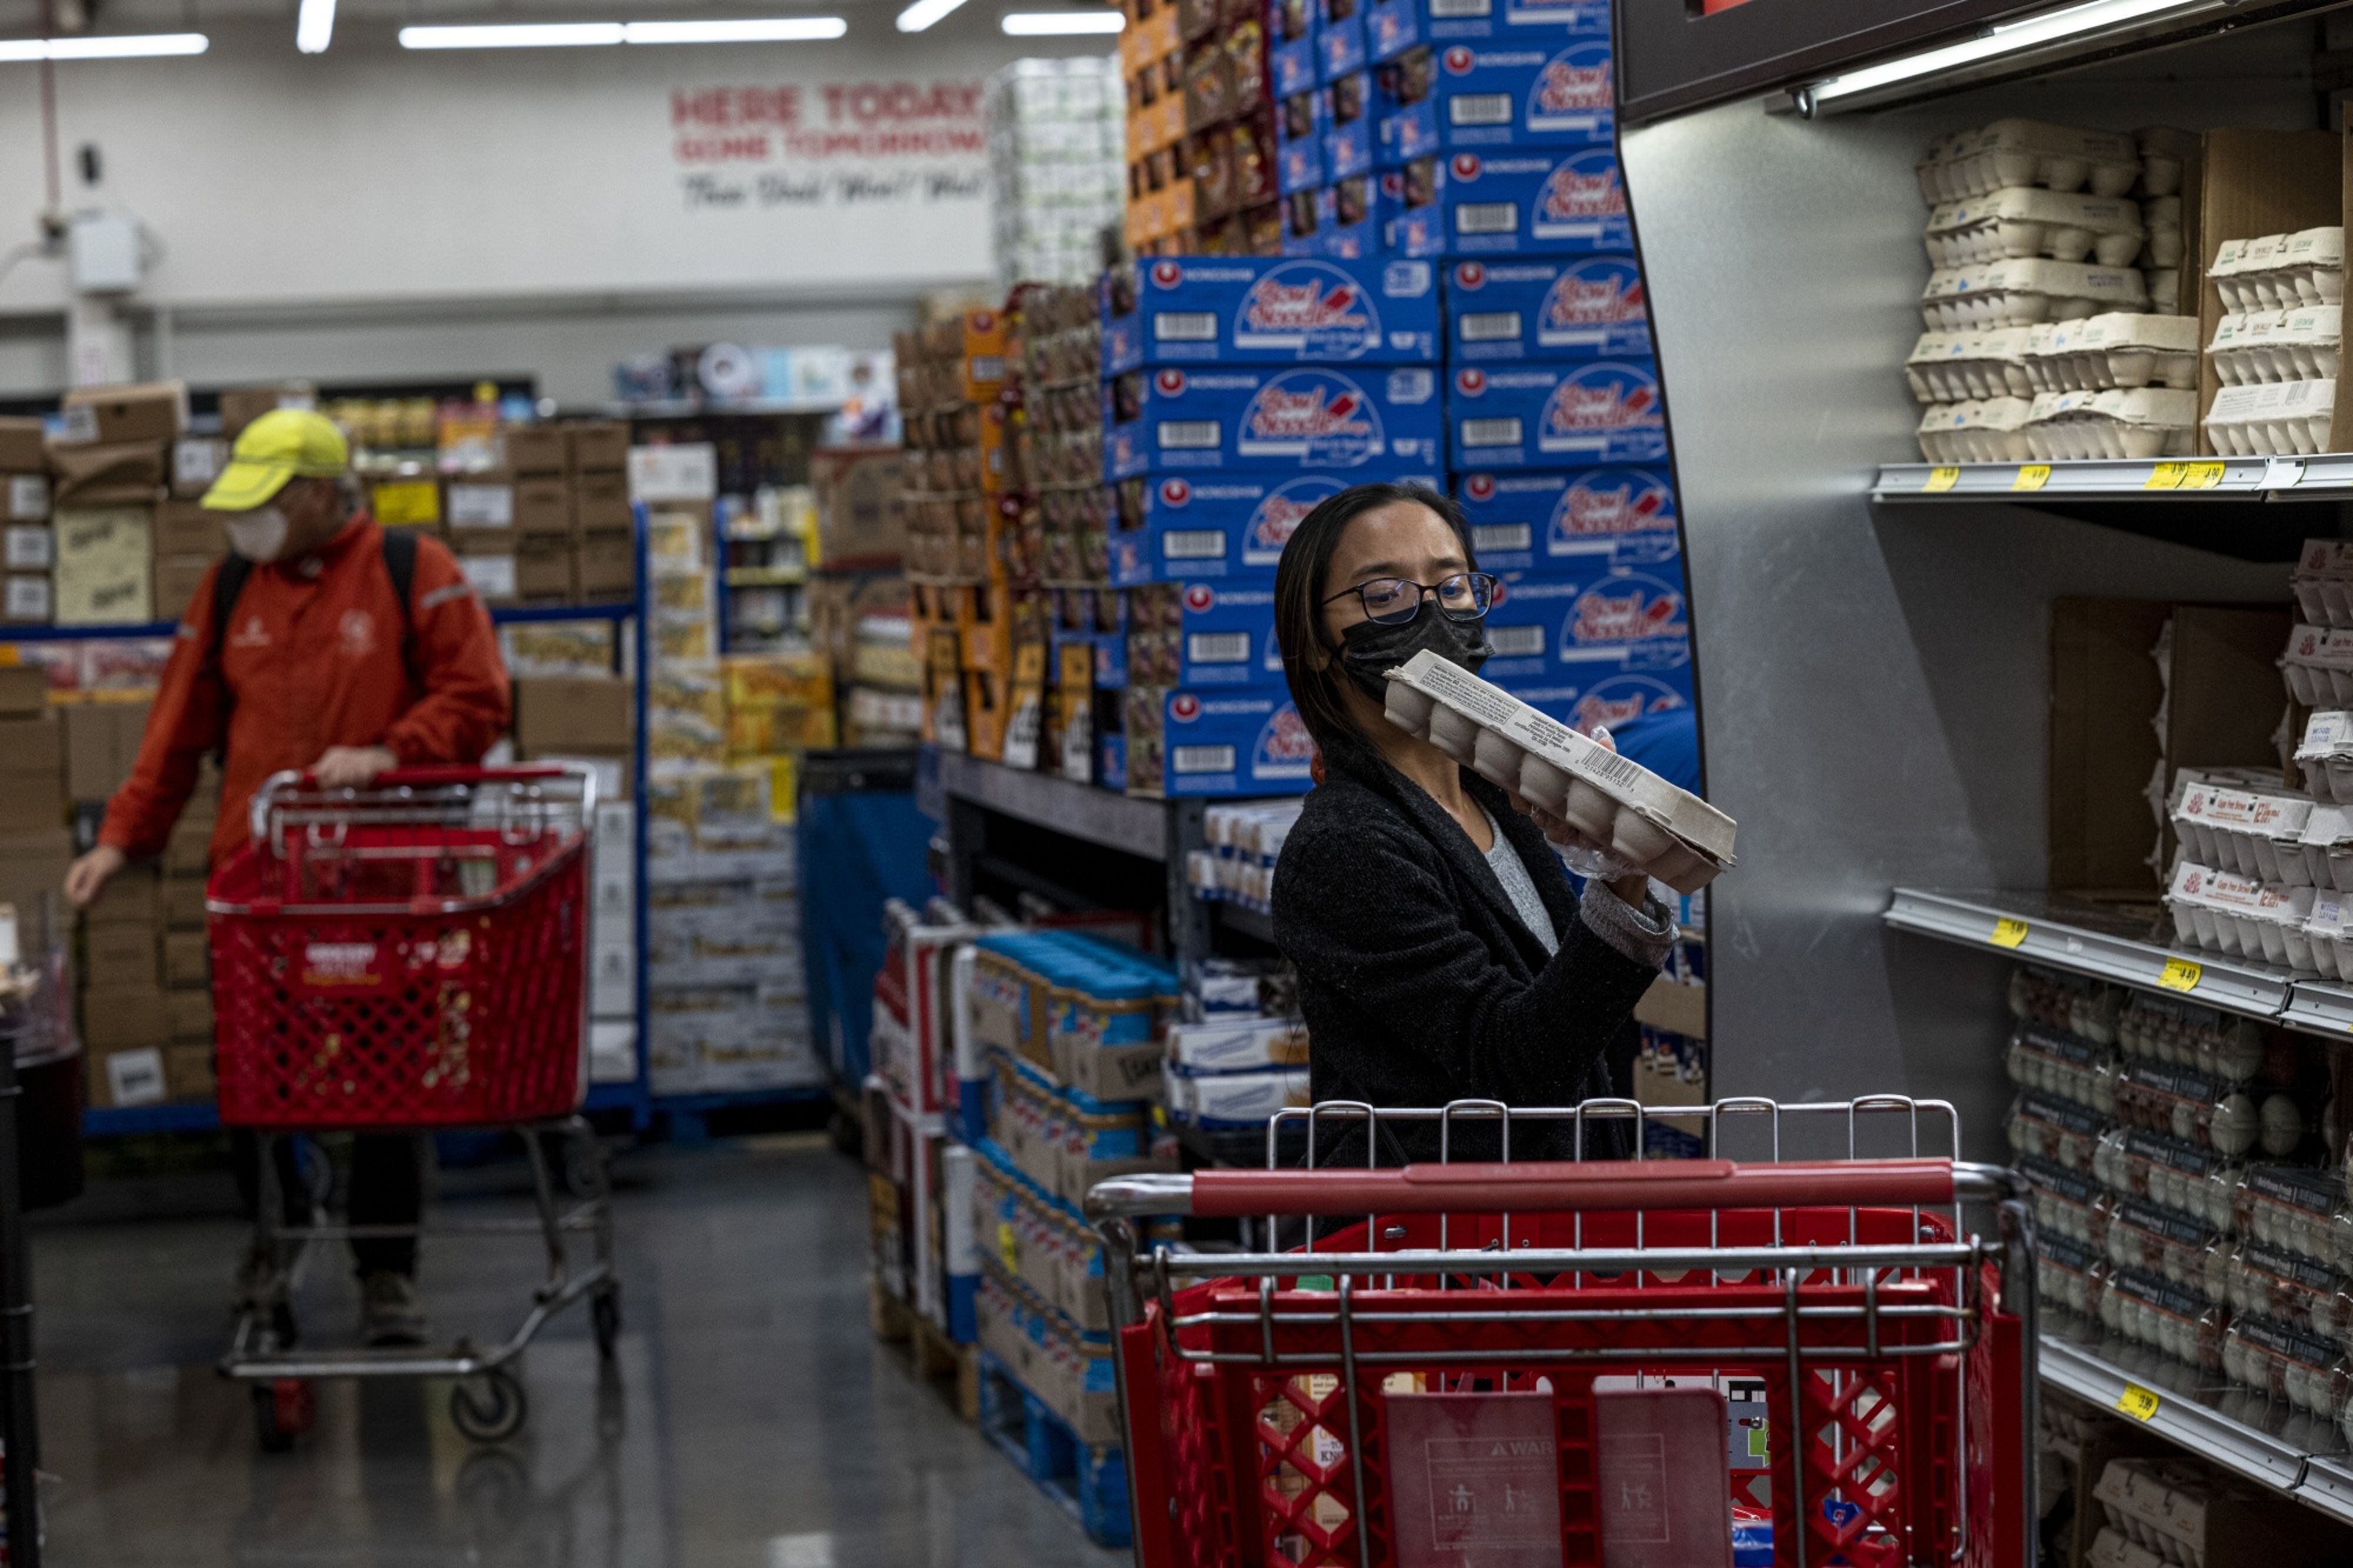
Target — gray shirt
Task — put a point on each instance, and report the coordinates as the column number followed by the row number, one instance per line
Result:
column 1644, row 935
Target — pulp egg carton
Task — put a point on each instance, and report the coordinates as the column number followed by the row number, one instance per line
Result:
column 2328, row 931
column 2318, row 666
column 2279, row 271
column 2233, row 914
column 1982, row 430
column 2151, row 1309
column 2144, row 422
column 2162, row 1241
column 2160, row 222
column 2024, row 220
column 2045, row 1127
column 2271, row 418
column 2257, row 835
column 2118, row 348
column 2165, row 153
column 2067, row 1272
column 2065, row 1066
column 2020, row 292
column 1668, row 833
column 1954, row 367
column 2164, row 285
column 2299, row 345
column 2325, row 757
column 2272, row 1282
column 2066, row 1202
column 2305, row 1370
column 2323, row 582
column 2178, row 1509
column 2169, row 1171
column 2177, row 1031
column 2112, row 1548
column 2081, row 1006
column 2296, row 1209
column 2010, row 152
column 2327, row 845
column 2198, row 1110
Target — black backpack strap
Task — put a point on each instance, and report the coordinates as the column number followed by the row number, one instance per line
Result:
column 227, row 584
column 400, row 565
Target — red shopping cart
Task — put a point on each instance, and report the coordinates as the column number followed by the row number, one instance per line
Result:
column 1277, row 1403
column 411, row 956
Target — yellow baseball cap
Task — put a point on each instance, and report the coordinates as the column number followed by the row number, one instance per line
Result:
column 282, row 445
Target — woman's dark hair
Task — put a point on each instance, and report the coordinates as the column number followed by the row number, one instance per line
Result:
column 1299, row 601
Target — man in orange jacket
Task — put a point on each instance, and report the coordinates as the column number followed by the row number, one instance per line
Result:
column 329, row 643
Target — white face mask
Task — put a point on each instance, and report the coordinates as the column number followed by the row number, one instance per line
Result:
column 258, row 535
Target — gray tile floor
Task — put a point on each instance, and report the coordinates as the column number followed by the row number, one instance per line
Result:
column 754, row 1422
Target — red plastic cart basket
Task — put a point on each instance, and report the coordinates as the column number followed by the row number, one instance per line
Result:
column 411, row 955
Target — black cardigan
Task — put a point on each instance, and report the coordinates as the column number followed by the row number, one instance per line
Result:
column 1418, row 979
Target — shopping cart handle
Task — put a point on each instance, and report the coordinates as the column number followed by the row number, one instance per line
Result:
column 427, row 775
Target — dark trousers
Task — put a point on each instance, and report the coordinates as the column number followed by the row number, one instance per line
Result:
column 386, row 1186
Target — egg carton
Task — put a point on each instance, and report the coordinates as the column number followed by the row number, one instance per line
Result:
column 2165, row 153
column 2177, row 1509
column 2162, row 243
column 1982, row 430
column 2024, row 220
column 2062, row 1065
column 2327, row 847
column 1667, row 832
column 2164, row 284
column 2224, row 912
column 2166, row 1242
column 2251, row 347
column 2173, row 1031
column 2200, row 1111
column 2067, row 1274
column 2117, row 349
column 2171, row 1171
column 2318, row 667
column 2112, row 1548
column 2323, row 582
column 1956, row 367
column 2256, row 835
column 2306, row 1370
column 2140, row 423
column 2020, row 293
column 2296, row 1208
column 2274, row 418
column 2272, row 1282
column 2044, row 1127
column 2077, row 1004
column 2066, row 1202
column 2010, row 152
column 2280, row 271
column 2173, row 1319
column 2325, row 756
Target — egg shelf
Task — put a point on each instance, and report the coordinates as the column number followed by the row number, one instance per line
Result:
column 2226, row 505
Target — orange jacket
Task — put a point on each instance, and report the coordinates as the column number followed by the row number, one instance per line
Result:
column 313, row 659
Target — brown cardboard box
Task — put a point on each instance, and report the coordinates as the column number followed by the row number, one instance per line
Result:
column 102, row 742
column 24, row 689
column 485, row 540
column 24, row 446
column 612, row 767
column 32, row 753
column 600, row 503
column 127, row 1019
column 189, row 851
column 189, row 1071
column 134, row 897
column 533, row 449
column 119, row 957
column 27, row 599
column 191, row 1014
column 23, row 498
column 2254, row 183
column 572, row 713
column 186, row 960
column 184, row 528
column 241, row 405
column 410, row 501
column 32, row 874
column 597, row 446
column 542, row 572
column 196, row 462
column 471, row 502
column 178, row 579
column 33, row 798
column 492, row 575
column 130, row 473
column 121, row 1077
column 859, row 518
column 543, row 507
column 183, row 901
column 151, row 411
column 608, row 567
column 104, row 560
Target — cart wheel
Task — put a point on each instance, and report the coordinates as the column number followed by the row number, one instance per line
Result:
column 604, row 1316
column 282, row 1412
column 489, row 1408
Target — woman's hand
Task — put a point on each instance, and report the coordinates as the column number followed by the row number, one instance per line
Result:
column 1632, row 885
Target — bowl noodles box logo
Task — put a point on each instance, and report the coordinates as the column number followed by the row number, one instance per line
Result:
column 1176, row 492
column 1284, row 748
column 1571, row 89
column 1622, row 699
column 1602, row 293
column 1314, row 416
column 1184, row 708
column 1599, row 399
column 1311, row 308
column 1606, row 508
column 1469, row 275
column 1278, row 517
column 1171, row 382
column 1167, row 274
column 1582, row 189
column 1633, row 620
column 1199, row 597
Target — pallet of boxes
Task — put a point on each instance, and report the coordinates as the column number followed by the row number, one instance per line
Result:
column 110, row 461
column 551, row 524
column 858, row 593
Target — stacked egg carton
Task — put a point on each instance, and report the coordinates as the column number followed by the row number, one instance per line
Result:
column 2276, row 346
column 2052, row 311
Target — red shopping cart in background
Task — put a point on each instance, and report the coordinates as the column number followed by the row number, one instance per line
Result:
column 1502, row 1363
column 412, row 956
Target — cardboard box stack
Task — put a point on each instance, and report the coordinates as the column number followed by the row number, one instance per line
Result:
column 1056, row 159
column 549, row 524
column 1200, row 126
column 110, row 457
column 28, row 546
column 586, row 717
column 858, row 620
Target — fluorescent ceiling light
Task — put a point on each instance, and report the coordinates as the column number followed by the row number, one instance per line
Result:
column 583, row 35
column 923, row 13
column 512, row 35
column 755, row 30
column 314, row 26
column 2005, row 38
column 1057, row 24
column 111, row 47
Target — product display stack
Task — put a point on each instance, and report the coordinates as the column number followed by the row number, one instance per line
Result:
column 547, row 523
column 1057, row 155
column 858, row 595
column 1201, row 128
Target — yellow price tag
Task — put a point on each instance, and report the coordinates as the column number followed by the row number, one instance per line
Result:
column 2137, row 1402
column 2180, row 975
column 2033, row 477
column 1941, row 479
column 1007, row 1248
column 2201, row 476
column 2008, row 932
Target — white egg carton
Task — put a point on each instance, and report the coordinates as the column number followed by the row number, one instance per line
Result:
column 2144, row 422
column 2225, row 912
column 2324, row 755
column 2328, row 934
column 2256, row 835
column 1667, row 832
column 2280, row 271
column 2318, row 666
column 2323, row 582
column 2164, row 289
column 2162, row 243
column 2255, row 347
column 2327, row 844
column 2024, row 220
column 1982, row 430
column 2273, row 418
column 2176, row 1509
column 2118, row 348
column 2165, row 153
column 2305, row 1370
column 1954, row 367
column 2022, row 292
column 2027, row 153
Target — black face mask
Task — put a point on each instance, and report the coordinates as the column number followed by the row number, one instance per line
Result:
column 1369, row 650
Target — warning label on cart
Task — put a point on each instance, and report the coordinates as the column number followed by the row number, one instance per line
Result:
column 344, row 966
column 1475, row 1480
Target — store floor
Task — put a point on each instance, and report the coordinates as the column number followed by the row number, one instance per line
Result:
column 755, row 1422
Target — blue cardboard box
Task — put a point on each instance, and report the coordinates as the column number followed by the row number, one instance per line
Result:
column 1393, row 27
column 1282, row 421
column 1546, row 309
column 1413, row 212
column 1290, row 28
column 1233, row 743
column 1348, row 133
column 1354, row 233
column 1542, row 202
column 1553, row 416
column 1226, row 635
column 1520, row 520
column 1306, row 220
column 1300, row 122
column 1524, row 92
column 1580, row 700
column 1405, row 114
column 1340, row 46
column 1208, row 309
column 1605, row 618
column 1175, row 527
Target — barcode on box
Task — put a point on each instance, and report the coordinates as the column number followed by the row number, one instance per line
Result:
column 1456, row 8
column 1189, row 433
column 1487, row 326
column 988, row 367
column 1481, row 109
column 1487, row 217
column 1491, row 432
column 1194, row 544
column 1500, row 536
column 1611, row 768
column 1202, row 760
column 1517, row 642
column 1185, row 326
column 1218, row 647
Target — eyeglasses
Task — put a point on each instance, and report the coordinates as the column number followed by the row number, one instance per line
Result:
column 1393, row 601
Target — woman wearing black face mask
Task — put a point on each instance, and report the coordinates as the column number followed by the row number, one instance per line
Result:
column 1441, row 951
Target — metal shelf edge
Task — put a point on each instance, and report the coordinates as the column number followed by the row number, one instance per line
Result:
column 2114, row 479
column 117, row 1121
column 517, row 614
column 1134, row 827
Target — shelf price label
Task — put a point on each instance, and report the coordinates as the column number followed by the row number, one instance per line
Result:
column 2137, row 1402
column 2007, row 933
column 2032, row 477
column 1008, row 1247
column 1940, row 479
column 2202, row 476
column 2180, row 975
column 2165, row 477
